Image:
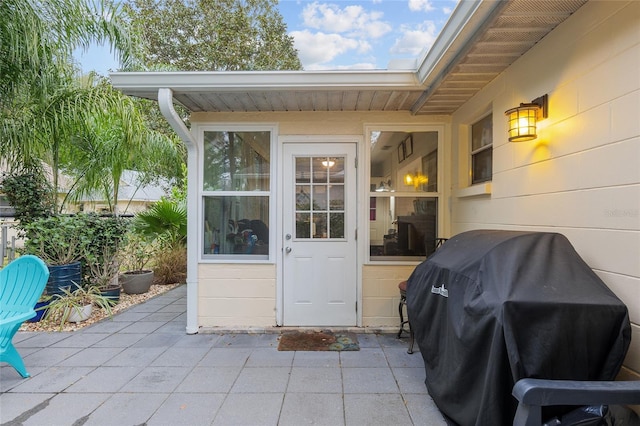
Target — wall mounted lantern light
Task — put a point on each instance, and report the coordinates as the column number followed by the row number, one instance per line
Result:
column 522, row 119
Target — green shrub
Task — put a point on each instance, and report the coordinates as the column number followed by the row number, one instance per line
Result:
column 29, row 193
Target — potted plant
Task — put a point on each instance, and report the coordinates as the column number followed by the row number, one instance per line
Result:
column 76, row 305
column 59, row 241
column 41, row 307
column 100, row 256
column 135, row 278
column 103, row 273
column 165, row 223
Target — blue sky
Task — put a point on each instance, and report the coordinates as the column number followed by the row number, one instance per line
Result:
column 343, row 34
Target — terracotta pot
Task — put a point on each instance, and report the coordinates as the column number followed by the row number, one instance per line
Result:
column 136, row 282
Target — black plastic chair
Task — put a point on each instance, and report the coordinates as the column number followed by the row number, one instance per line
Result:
column 533, row 394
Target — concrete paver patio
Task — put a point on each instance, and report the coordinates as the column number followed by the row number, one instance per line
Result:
column 141, row 368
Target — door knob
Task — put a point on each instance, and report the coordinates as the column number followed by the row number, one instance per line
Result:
column 288, row 249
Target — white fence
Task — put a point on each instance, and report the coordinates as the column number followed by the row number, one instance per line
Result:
column 8, row 241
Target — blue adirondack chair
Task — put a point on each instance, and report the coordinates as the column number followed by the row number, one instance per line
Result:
column 21, row 284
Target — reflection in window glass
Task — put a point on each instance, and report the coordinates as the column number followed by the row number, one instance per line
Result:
column 236, row 221
column 236, row 161
column 319, row 227
column 482, row 166
column 319, row 197
column 416, row 170
column 402, row 217
column 236, row 225
column 336, row 169
column 482, row 150
column 336, row 197
column 303, row 225
column 303, row 170
column 303, row 197
column 336, row 225
column 320, row 171
column 408, row 227
column 324, row 195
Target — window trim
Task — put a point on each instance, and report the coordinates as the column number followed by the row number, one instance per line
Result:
column 272, row 128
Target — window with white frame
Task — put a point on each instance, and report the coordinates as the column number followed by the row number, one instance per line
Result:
column 236, row 187
column 482, row 150
column 403, row 195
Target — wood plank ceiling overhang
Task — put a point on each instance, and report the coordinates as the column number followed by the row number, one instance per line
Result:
column 492, row 37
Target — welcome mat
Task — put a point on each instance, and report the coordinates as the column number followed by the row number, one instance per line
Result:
column 318, row 341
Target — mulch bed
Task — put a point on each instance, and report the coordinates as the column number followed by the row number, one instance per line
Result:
column 126, row 301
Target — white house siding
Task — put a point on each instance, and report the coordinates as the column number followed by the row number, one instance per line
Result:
column 581, row 177
column 236, row 295
column 317, row 123
column 245, row 294
column 381, row 296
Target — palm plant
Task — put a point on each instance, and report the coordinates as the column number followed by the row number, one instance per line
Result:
column 166, row 219
column 37, row 40
column 114, row 139
column 165, row 223
column 42, row 107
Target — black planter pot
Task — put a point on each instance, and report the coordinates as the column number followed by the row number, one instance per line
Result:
column 112, row 293
column 136, row 282
column 63, row 276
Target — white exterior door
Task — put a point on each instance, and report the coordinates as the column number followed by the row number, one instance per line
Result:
column 319, row 234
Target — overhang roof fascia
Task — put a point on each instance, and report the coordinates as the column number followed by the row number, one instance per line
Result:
column 457, row 32
column 229, row 81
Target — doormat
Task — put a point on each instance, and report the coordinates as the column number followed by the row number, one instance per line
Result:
column 318, row 341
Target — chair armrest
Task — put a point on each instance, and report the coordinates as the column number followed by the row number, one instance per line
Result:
column 533, row 394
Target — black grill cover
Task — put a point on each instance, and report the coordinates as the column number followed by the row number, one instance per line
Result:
column 491, row 307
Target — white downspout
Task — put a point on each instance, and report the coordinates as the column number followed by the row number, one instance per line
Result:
column 165, row 101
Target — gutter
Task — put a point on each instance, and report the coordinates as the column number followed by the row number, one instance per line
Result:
column 165, row 101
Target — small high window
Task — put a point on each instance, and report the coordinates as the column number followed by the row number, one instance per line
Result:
column 482, row 150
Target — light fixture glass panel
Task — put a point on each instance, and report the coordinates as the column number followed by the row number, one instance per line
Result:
column 522, row 123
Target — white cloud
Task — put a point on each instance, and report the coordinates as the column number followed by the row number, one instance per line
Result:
column 352, row 20
column 414, row 40
column 421, row 5
column 315, row 49
column 447, row 10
